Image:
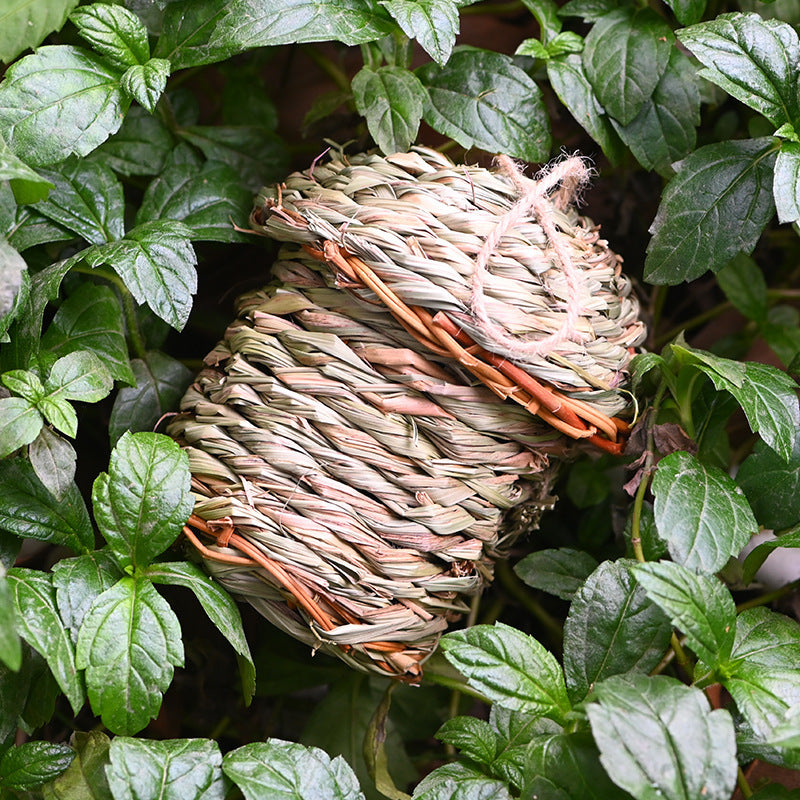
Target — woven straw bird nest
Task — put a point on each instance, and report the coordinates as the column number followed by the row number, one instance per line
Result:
column 383, row 419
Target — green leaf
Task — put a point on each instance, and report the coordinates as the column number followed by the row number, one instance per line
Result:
column 664, row 129
column 157, row 263
column 10, row 547
column 754, row 60
column 33, row 763
column 744, row 286
column 216, row 602
column 196, row 33
column 58, row 102
column 652, row 545
column 245, row 98
column 60, row 414
column 257, row 154
column 145, row 83
column 769, row 401
column 699, row 605
column 375, row 751
column 210, row 200
column 773, row 791
column 786, row 186
column 14, row 285
column 766, row 683
column 79, row 375
column 546, row 13
column 143, row 500
column 570, row 83
column 87, row 200
column 392, row 100
column 516, row 728
column 725, row 373
column 587, row 10
column 517, row 735
column 768, row 396
column 24, row 383
column 564, row 43
column 433, row 23
column 482, row 99
column 587, row 485
column 20, row 424
column 28, row 186
column 715, row 207
column 687, row 12
column 159, row 384
column 787, row 734
column 474, row 737
column 560, row 571
column 700, row 513
column 128, row 644
column 31, row 228
column 114, row 31
column 10, row 645
column 53, row 461
column 509, row 668
column 624, row 56
column 571, row 763
column 288, row 771
column 459, row 781
column 14, row 687
column 41, row 626
column 85, row 778
column 29, row 510
column 781, row 331
column 169, row 770
column 342, row 723
column 40, row 694
column 140, row 147
column 26, row 24
column 772, row 486
column 91, row 319
column 612, row 628
column 533, row 48
column 79, row 581
column 659, row 740
column 759, row 554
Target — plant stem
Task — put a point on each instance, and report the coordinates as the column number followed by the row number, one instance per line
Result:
column 511, row 7
column 768, row 597
column 657, row 299
column 332, row 70
column 636, row 518
column 132, row 324
column 165, row 110
column 128, row 308
column 452, row 683
column 514, row 586
column 773, row 295
column 474, row 607
column 647, row 472
column 664, row 663
column 694, row 322
column 680, row 655
column 744, row 786
column 492, row 614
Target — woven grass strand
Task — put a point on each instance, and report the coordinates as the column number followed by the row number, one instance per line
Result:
column 418, row 222
column 351, row 482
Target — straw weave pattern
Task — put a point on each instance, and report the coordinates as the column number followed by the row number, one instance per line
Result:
column 376, row 476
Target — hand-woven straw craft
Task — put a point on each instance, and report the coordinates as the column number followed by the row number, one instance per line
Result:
column 379, row 422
